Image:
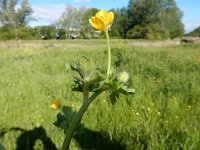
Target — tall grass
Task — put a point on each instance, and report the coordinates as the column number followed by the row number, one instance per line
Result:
column 163, row 114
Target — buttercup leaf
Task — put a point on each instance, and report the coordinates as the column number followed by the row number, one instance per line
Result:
column 68, row 113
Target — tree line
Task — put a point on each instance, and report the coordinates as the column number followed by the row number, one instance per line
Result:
column 141, row 19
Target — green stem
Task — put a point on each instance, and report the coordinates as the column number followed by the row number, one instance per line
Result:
column 109, row 53
column 73, row 125
column 77, row 119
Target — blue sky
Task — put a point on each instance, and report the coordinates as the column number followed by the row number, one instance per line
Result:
column 48, row 11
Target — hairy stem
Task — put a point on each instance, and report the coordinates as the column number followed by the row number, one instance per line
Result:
column 77, row 118
column 109, row 53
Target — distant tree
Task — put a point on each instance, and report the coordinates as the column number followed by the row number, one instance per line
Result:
column 170, row 18
column 46, row 32
column 28, row 33
column 137, row 32
column 6, row 34
column 60, row 34
column 160, row 17
column 71, row 19
column 118, row 29
column 13, row 16
column 87, row 31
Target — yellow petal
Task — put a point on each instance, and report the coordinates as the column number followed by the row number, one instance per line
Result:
column 97, row 23
column 94, row 22
column 101, row 23
column 102, row 20
column 56, row 103
column 101, row 14
column 110, row 18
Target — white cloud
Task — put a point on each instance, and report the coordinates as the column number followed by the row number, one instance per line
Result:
column 47, row 13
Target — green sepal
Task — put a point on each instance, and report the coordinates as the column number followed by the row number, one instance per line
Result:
column 125, row 90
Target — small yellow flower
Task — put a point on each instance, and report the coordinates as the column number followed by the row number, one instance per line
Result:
column 102, row 20
column 123, row 77
column 56, row 103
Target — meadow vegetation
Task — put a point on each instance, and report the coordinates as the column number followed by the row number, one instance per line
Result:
column 164, row 113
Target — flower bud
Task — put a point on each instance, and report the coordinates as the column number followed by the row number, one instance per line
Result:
column 123, row 76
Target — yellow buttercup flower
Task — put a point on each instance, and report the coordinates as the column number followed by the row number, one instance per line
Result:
column 56, row 103
column 102, row 20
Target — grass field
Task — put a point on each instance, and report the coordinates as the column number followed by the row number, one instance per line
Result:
column 163, row 114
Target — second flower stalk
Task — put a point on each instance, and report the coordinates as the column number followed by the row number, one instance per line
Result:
column 102, row 22
column 109, row 53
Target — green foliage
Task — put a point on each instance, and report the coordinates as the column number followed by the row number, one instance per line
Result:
column 60, row 34
column 154, row 32
column 28, row 33
column 163, row 113
column 141, row 19
column 87, row 73
column 87, row 31
column 153, row 19
column 137, row 32
column 13, row 18
column 24, row 33
column 46, row 32
column 117, row 29
column 115, row 88
column 24, row 13
column 1, row 147
column 6, row 34
column 71, row 21
column 172, row 21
